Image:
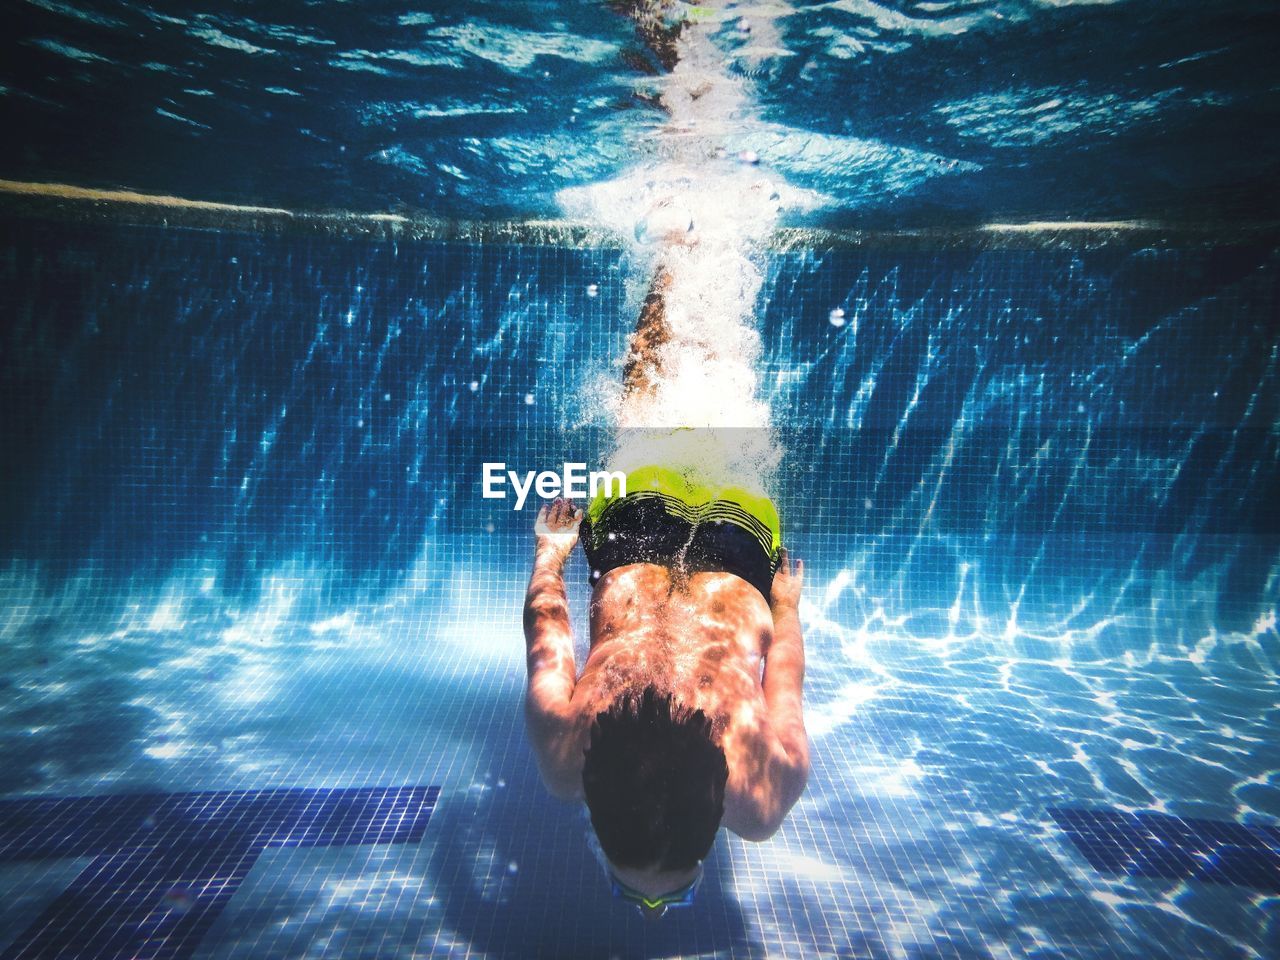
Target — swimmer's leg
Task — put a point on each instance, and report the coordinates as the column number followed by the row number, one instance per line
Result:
column 644, row 362
column 654, row 27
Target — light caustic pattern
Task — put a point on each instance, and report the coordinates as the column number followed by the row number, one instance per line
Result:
column 945, row 719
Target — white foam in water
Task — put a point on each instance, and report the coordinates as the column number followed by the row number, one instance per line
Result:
column 698, row 214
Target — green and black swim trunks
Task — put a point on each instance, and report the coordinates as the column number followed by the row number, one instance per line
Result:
column 673, row 521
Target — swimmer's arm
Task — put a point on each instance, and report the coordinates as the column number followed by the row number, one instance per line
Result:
column 783, row 684
column 552, row 672
column 784, row 688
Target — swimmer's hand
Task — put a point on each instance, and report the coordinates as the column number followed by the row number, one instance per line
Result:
column 556, row 529
column 785, row 592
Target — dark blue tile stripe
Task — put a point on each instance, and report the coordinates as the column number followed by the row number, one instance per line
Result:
column 41, row 827
column 144, row 903
column 1158, row 845
column 166, row 864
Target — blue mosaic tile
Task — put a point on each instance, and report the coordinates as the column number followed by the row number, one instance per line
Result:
column 167, row 864
column 1157, row 845
column 245, row 547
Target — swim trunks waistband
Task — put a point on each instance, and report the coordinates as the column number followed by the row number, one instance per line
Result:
column 674, row 521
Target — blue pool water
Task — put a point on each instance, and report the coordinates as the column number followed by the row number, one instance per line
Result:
column 261, row 664
column 901, row 112
column 1035, row 489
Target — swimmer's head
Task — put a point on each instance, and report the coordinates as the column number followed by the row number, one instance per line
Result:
column 654, row 780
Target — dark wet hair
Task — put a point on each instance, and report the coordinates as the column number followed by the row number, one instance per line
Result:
column 654, row 782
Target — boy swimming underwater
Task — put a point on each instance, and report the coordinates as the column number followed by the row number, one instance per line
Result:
column 687, row 713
